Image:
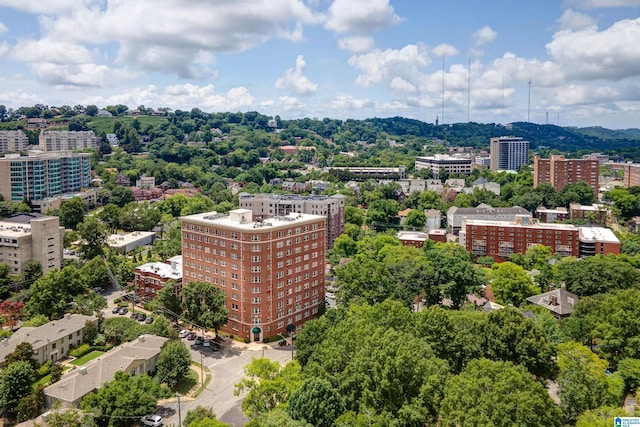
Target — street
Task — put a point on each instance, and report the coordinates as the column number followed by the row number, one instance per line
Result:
column 226, row 367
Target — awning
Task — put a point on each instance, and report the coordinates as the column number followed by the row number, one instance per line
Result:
column 256, row 330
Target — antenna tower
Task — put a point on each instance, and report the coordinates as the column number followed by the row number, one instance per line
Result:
column 529, row 102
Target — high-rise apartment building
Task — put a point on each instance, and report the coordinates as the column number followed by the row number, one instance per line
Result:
column 500, row 239
column 68, row 140
column 559, row 172
column 265, row 205
column 508, row 153
column 271, row 270
column 13, row 140
column 43, row 175
column 31, row 237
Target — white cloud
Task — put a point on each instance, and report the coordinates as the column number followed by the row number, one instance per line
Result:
column 599, row 4
column 445, row 49
column 294, row 81
column 84, row 75
column 356, row 44
column 382, row 65
column 361, row 16
column 291, row 103
column 400, row 86
column 43, row 7
column 3, row 28
column 589, row 54
column 348, row 102
column 484, row 35
column 53, row 51
column 572, row 20
column 584, row 95
column 4, row 48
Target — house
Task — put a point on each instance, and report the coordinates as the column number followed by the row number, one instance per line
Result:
column 559, row 302
column 136, row 357
column 50, row 341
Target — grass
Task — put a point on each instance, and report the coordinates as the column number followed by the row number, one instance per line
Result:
column 184, row 386
column 87, row 357
column 45, row 380
column 202, row 387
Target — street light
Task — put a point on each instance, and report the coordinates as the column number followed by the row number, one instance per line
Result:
column 179, row 412
column 202, row 368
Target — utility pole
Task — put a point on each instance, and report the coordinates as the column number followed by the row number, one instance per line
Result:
column 179, row 411
column 202, row 368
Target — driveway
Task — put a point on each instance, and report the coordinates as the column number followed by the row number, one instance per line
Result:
column 227, row 367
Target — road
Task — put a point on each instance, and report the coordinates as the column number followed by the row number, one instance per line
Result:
column 227, row 367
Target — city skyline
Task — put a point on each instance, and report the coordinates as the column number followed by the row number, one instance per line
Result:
column 339, row 58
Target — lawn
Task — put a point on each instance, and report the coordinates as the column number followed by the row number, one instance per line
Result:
column 45, row 380
column 184, row 386
column 87, row 357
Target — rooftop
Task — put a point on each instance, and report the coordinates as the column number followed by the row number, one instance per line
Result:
column 412, row 235
column 173, row 270
column 598, row 234
column 44, row 334
column 559, row 301
column 243, row 219
column 123, row 239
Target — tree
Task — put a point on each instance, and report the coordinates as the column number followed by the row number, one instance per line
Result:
column 173, row 363
column 93, row 235
column 15, row 383
column 23, row 352
column 276, row 418
column 31, row 271
column 72, row 212
column 5, row 281
column 94, row 273
column 582, row 382
column 512, row 284
column 267, row 384
column 167, row 299
column 91, row 110
column 316, row 402
column 31, row 405
column 125, row 397
column 52, row 293
column 492, row 393
column 56, row 373
column 415, row 219
column 198, row 413
column 597, row 274
column 207, row 422
column 600, row 417
column 71, row 418
column 512, row 337
column 120, row 196
column 110, row 215
column 203, row 305
column 10, row 312
column 91, row 329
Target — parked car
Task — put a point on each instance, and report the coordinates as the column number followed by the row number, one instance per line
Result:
column 152, row 420
column 198, row 341
column 142, row 317
column 115, row 310
column 149, row 320
column 97, row 289
column 183, row 333
column 191, row 336
column 123, row 311
column 206, row 343
column 134, row 316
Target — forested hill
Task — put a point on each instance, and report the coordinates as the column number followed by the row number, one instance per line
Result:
column 565, row 139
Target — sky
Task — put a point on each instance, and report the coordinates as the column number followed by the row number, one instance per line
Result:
column 566, row 62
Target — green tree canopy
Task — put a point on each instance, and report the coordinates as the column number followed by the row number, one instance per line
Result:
column 15, row 383
column 203, row 305
column 511, row 284
column 72, row 212
column 173, row 363
column 492, row 393
column 316, row 402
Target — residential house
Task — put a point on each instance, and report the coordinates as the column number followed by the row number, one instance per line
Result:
column 559, row 302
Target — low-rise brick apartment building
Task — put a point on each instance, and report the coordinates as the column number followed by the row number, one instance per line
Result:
column 500, row 239
column 271, row 270
column 151, row 277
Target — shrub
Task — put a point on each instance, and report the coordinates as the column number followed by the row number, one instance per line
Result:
column 246, row 340
column 80, row 351
column 117, row 300
column 44, row 370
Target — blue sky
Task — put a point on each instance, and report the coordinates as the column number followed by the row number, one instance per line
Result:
column 331, row 58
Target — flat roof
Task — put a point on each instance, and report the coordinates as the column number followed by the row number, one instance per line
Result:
column 542, row 225
column 117, row 240
column 164, row 270
column 412, row 235
column 231, row 221
column 598, row 234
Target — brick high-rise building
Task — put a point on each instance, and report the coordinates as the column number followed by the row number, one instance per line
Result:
column 271, row 270
column 266, row 205
column 508, row 153
column 559, row 172
column 500, row 239
column 631, row 174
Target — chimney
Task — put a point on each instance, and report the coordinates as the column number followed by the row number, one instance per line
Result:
column 82, row 370
column 141, row 338
column 554, row 300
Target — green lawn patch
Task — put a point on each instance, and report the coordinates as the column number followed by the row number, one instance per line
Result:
column 87, row 357
column 183, row 387
column 45, row 380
